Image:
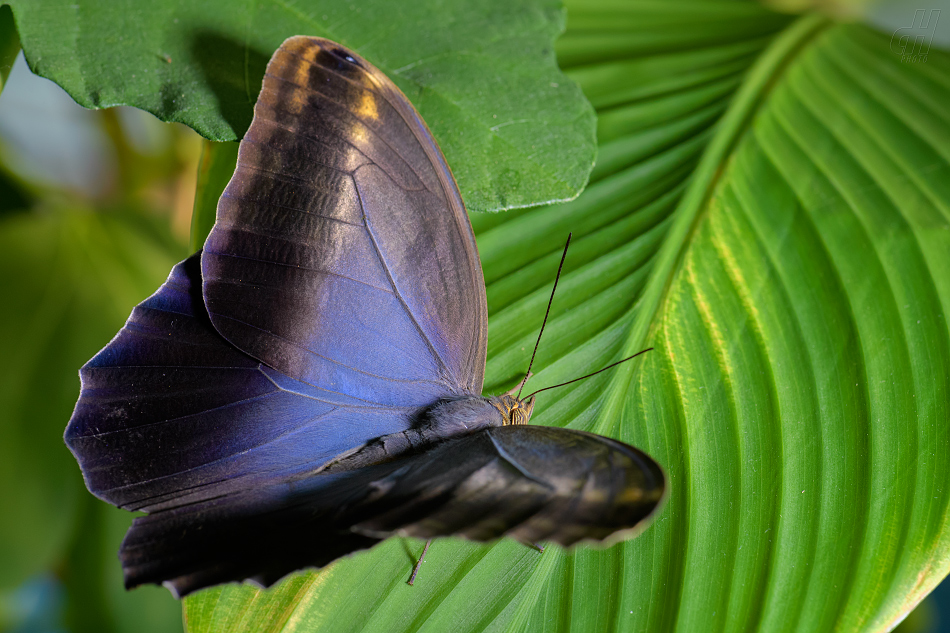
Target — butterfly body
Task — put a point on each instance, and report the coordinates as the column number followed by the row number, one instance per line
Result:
column 309, row 383
column 446, row 419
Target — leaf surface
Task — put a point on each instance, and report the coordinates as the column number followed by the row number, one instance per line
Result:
column 516, row 131
column 771, row 211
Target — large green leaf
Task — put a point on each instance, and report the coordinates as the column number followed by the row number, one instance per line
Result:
column 483, row 75
column 794, row 280
column 9, row 44
column 797, row 298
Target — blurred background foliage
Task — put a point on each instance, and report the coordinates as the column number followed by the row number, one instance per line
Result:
column 95, row 208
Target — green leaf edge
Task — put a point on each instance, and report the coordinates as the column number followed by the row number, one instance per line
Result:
column 215, row 168
column 9, row 43
column 557, row 28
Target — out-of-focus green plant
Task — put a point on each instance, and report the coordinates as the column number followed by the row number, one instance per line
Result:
column 72, row 267
column 71, row 273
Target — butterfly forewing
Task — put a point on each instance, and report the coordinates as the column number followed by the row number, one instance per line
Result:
column 342, row 255
column 530, row 483
column 301, row 273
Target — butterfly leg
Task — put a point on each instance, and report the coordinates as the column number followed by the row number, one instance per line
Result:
column 415, row 569
column 535, row 546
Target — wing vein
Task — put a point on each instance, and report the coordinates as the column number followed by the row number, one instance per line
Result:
column 326, row 358
column 511, row 460
column 398, row 294
column 292, row 266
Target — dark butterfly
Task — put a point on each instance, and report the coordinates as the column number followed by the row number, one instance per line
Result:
column 309, row 384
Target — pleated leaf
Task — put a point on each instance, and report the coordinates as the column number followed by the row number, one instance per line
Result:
column 771, row 212
column 796, row 295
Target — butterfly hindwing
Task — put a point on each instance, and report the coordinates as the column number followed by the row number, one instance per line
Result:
column 171, row 413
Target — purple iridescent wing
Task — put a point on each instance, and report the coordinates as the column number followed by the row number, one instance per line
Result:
column 170, row 413
column 339, row 291
column 342, row 255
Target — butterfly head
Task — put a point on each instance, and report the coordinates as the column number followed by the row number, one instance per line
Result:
column 514, row 410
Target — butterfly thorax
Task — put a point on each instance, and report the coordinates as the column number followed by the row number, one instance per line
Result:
column 446, row 419
column 513, row 409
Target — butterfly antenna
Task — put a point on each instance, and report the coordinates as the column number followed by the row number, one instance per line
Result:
column 546, row 313
column 591, row 374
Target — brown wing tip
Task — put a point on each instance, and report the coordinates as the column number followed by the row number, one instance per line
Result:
column 658, row 495
column 306, row 45
column 305, row 50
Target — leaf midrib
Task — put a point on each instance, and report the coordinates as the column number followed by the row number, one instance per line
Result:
column 749, row 97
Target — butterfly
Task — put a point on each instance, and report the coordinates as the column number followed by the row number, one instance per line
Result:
column 309, row 383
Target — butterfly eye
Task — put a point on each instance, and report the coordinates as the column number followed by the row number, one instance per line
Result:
column 518, row 416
